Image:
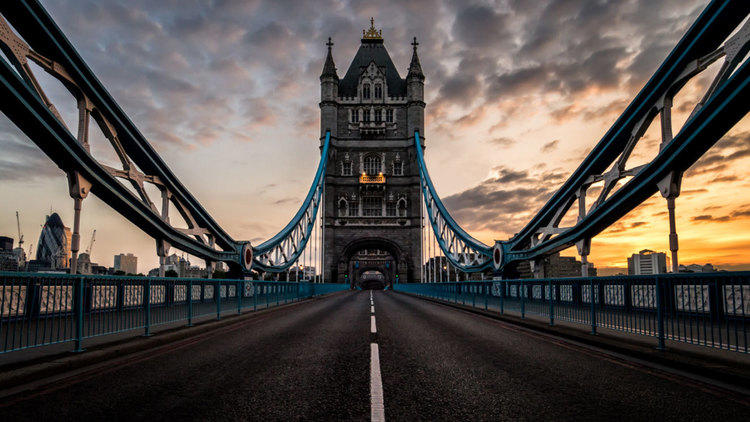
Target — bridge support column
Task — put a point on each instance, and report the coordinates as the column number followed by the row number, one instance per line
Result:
column 79, row 189
column 584, row 248
column 670, row 190
column 670, row 186
column 162, row 249
column 537, row 268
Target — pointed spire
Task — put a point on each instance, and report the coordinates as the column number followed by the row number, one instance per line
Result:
column 329, row 69
column 415, row 69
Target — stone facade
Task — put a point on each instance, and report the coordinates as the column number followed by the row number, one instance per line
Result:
column 372, row 196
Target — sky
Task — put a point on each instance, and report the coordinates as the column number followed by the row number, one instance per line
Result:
column 517, row 93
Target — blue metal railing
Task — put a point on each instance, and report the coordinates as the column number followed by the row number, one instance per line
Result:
column 38, row 309
column 710, row 309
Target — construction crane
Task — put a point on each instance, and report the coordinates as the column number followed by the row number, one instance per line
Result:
column 91, row 243
column 20, row 236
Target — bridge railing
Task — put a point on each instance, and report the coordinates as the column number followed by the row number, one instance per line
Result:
column 38, row 309
column 710, row 310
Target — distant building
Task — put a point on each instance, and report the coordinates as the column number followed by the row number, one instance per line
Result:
column 556, row 266
column 84, row 264
column 697, row 268
column 53, row 248
column 126, row 263
column 647, row 262
column 11, row 259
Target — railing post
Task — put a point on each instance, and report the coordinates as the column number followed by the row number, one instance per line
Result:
column 217, row 297
column 190, row 304
column 521, row 294
column 593, row 306
column 502, row 297
column 551, row 304
column 78, row 295
column 238, row 295
column 659, row 314
column 147, row 308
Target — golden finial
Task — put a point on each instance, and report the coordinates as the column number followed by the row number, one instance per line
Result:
column 372, row 33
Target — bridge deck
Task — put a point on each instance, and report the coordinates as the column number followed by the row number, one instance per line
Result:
column 313, row 362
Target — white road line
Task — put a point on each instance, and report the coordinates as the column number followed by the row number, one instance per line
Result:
column 372, row 324
column 372, row 309
column 377, row 408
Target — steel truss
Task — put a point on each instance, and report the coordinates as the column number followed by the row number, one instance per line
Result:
column 721, row 107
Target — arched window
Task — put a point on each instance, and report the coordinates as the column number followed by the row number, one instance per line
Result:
column 372, row 165
column 389, row 115
column 378, row 91
column 398, row 168
column 366, row 115
column 366, row 91
column 355, row 115
column 343, row 207
column 378, row 115
column 402, row 207
column 372, row 206
column 346, row 168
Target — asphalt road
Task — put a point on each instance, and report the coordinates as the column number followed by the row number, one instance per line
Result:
column 312, row 361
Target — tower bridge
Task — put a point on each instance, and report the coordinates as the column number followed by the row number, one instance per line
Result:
column 458, row 333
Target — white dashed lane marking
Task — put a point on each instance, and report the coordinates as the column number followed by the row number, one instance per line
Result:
column 377, row 407
column 372, row 324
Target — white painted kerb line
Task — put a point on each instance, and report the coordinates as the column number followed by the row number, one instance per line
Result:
column 372, row 324
column 377, row 408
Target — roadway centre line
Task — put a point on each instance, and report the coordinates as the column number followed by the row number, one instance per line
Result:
column 377, row 408
column 372, row 324
column 372, row 309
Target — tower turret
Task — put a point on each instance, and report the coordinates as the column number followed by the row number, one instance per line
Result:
column 329, row 91
column 415, row 93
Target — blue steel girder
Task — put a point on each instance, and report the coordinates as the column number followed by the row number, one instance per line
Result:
column 25, row 103
column 720, row 109
column 463, row 251
column 281, row 251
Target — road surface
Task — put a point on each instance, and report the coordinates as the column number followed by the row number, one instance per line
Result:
column 315, row 361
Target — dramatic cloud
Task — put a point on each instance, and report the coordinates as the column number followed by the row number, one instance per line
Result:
column 231, row 88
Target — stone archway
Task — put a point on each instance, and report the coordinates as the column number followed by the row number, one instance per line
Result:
column 372, row 254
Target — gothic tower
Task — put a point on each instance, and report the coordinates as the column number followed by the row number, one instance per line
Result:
column 372, row 199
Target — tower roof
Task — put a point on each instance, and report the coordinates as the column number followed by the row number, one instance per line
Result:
column 372, row 49
column 329, row 68
column 415, row 68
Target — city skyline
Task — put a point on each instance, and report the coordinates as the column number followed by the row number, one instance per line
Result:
column 486, row 113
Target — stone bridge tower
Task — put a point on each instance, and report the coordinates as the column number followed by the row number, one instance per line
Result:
column 372, row 197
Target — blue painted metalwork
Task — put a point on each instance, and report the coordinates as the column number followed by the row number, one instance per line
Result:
column 39, row 309
column 723, row 108
column 24, row 105
column 281, row 251
column 462, row 250
column 707, row 309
